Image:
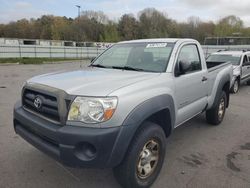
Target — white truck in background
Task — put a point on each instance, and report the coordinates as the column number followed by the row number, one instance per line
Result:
column 241, row 65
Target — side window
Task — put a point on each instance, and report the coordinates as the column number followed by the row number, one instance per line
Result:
column 190, row 53
column 249, row 58
column 245, row 59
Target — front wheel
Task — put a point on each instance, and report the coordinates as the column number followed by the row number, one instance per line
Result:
column 216, row 115
column 235, row 87
column 144, row 158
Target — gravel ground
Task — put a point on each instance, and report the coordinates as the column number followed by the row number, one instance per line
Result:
column 198, row 155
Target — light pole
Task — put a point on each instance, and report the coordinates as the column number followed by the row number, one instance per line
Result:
column 79, row 11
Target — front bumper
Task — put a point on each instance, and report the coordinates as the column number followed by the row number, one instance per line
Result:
column 71, row 145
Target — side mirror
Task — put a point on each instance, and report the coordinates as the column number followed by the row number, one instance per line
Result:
column 182, row 67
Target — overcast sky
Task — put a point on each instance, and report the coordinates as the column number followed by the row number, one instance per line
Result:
column 12, row 10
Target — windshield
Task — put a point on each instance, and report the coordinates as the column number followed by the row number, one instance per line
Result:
column 234, row 59
column 150, row 57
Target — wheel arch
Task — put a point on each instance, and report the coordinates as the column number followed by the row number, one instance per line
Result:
column 238, row 78
column 159, row 110
column 224, row 85
column 226, row 88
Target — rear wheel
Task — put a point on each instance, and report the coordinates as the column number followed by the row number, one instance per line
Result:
column 144, row 158
column 235, row 87
column 248, row 82
column 216, row 115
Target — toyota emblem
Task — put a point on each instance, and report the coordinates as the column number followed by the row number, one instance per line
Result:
column 38, row 102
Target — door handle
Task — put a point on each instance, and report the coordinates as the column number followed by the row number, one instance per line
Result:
column 204, row 79
column 248, row 67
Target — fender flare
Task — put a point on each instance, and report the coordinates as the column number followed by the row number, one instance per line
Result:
column 221, row 84
column 149, row 107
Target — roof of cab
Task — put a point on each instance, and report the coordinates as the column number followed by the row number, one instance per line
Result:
column 169, row 40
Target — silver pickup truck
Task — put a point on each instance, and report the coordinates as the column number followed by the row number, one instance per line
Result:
column 118, row 112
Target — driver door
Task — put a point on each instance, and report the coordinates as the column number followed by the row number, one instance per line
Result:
column 191, row 87
column 245, row 68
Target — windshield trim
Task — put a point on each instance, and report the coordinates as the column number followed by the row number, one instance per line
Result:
column 110, row 67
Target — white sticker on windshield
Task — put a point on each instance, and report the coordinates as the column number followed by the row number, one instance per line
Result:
column 157, row 45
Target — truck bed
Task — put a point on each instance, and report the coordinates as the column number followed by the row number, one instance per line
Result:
column 212, row 65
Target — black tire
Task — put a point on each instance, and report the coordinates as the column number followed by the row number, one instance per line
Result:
column 213, row 116
column 127, row 173
column 248, row 82
column 235, row 87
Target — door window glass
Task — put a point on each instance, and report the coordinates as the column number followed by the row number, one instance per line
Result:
column 190, row 54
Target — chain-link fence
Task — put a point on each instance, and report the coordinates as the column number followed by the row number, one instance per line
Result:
column 19, row 51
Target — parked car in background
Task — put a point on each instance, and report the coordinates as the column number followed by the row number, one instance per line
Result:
column 241, row 66
column 118, row 112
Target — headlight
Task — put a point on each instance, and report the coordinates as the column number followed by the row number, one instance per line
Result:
column 92, row 110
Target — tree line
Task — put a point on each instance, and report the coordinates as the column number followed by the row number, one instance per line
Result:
column 97, row 27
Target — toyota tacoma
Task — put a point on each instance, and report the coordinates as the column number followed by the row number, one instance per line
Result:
column 118, row 112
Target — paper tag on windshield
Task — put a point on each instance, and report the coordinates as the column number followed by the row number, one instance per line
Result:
column 157, row 45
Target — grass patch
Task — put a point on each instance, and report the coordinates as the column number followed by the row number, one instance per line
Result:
column 25, row 60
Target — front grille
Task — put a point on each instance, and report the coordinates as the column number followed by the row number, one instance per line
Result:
column 49, row 104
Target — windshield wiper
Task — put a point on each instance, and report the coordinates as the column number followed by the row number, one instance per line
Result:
column 99, row 66
column 118, row 67
column 128, row 68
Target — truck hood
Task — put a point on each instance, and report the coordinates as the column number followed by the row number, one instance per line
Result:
column 91, row 81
